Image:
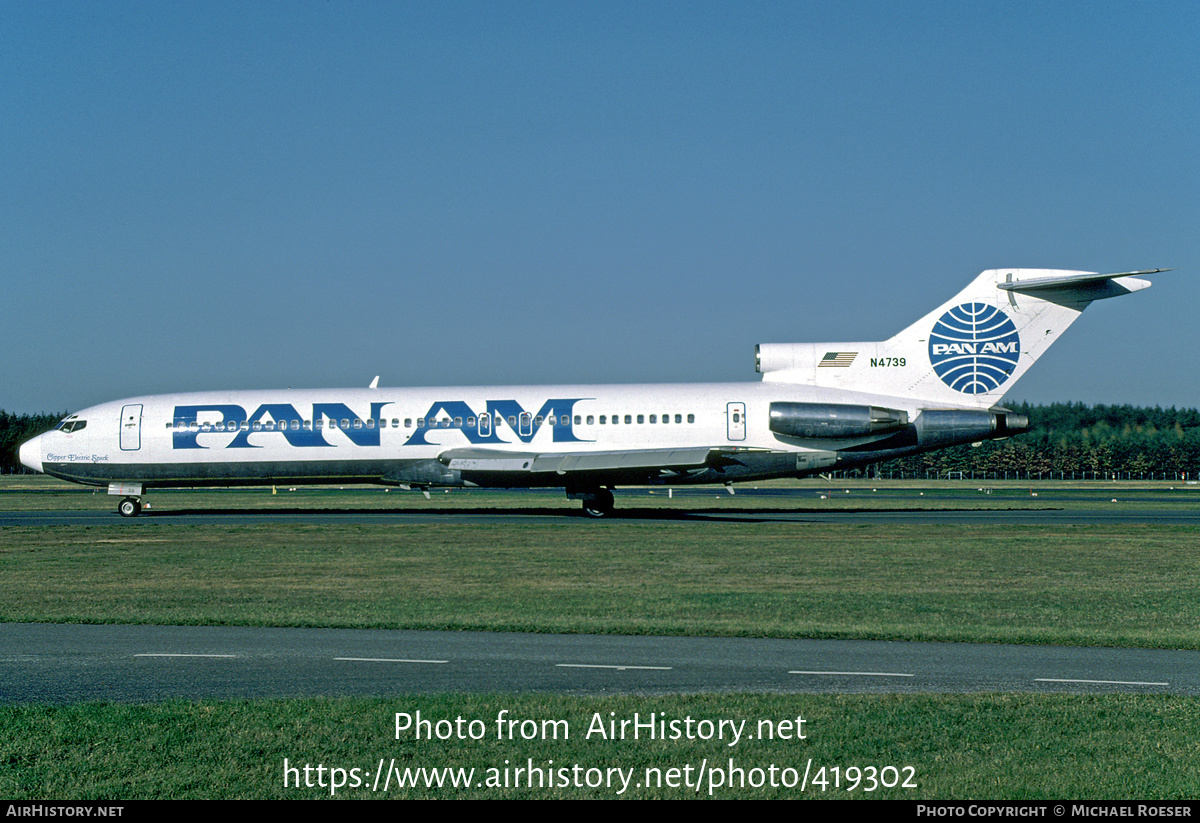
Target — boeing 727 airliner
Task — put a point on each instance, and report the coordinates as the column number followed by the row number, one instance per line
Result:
column 819, row 407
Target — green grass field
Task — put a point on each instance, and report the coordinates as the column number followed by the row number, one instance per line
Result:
column 937, row 747
column 1125, row 586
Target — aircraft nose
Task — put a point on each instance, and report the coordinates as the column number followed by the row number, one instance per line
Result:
column 31, row 453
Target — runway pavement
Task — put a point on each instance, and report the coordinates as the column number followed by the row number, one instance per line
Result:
column 67, row 663
column 70, row 663
column 1047, row 515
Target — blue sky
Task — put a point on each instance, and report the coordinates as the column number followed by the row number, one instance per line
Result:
column 219, row 195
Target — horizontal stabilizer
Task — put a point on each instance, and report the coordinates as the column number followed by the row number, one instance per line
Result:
column 1077, row 279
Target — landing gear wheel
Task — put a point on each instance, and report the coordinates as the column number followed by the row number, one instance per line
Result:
column 598, row 504
column 129, row 507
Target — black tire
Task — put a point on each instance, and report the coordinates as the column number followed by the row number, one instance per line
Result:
column 599, row 504
column 129, row 507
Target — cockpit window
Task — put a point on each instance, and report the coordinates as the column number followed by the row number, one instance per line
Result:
column 69, row 426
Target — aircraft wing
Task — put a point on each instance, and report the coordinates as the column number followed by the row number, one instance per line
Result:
column 492, row 460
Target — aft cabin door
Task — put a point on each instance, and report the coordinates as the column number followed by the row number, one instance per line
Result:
column 735, row 414
column 131, row 427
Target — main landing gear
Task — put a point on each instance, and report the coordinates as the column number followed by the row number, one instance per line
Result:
column 596, row 502
column 129, row 507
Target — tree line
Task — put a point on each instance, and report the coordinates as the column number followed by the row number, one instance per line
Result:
column 1068, row 440
column 15, row 429
column 1073, row 441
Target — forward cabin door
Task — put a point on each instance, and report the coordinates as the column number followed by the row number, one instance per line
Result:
column 131, row 427
column 735, row 416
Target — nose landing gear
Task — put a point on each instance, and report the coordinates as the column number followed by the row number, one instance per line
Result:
column 129, row 507
column 131, row 498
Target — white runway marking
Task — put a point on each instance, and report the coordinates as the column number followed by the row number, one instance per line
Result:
column 859, row 674
column 387, row 660
column 165, row 654
column 1100, row 682
column 618, row 668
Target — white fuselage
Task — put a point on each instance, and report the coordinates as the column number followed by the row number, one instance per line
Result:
column 315, row 435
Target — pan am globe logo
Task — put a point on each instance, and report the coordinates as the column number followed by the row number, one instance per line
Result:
column 974, row 348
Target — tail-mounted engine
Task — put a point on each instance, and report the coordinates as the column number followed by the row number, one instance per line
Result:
column 947, row 427
column 834, row 420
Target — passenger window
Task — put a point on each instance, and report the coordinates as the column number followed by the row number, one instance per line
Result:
column 640, row 420
column 691, row 418
column 653, row 418
column 628, row 419
column 590, row 420
column 679, row 418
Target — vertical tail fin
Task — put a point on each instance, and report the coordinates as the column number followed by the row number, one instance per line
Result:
column 967, row 352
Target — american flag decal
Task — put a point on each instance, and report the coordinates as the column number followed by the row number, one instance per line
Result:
column 837, row 359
